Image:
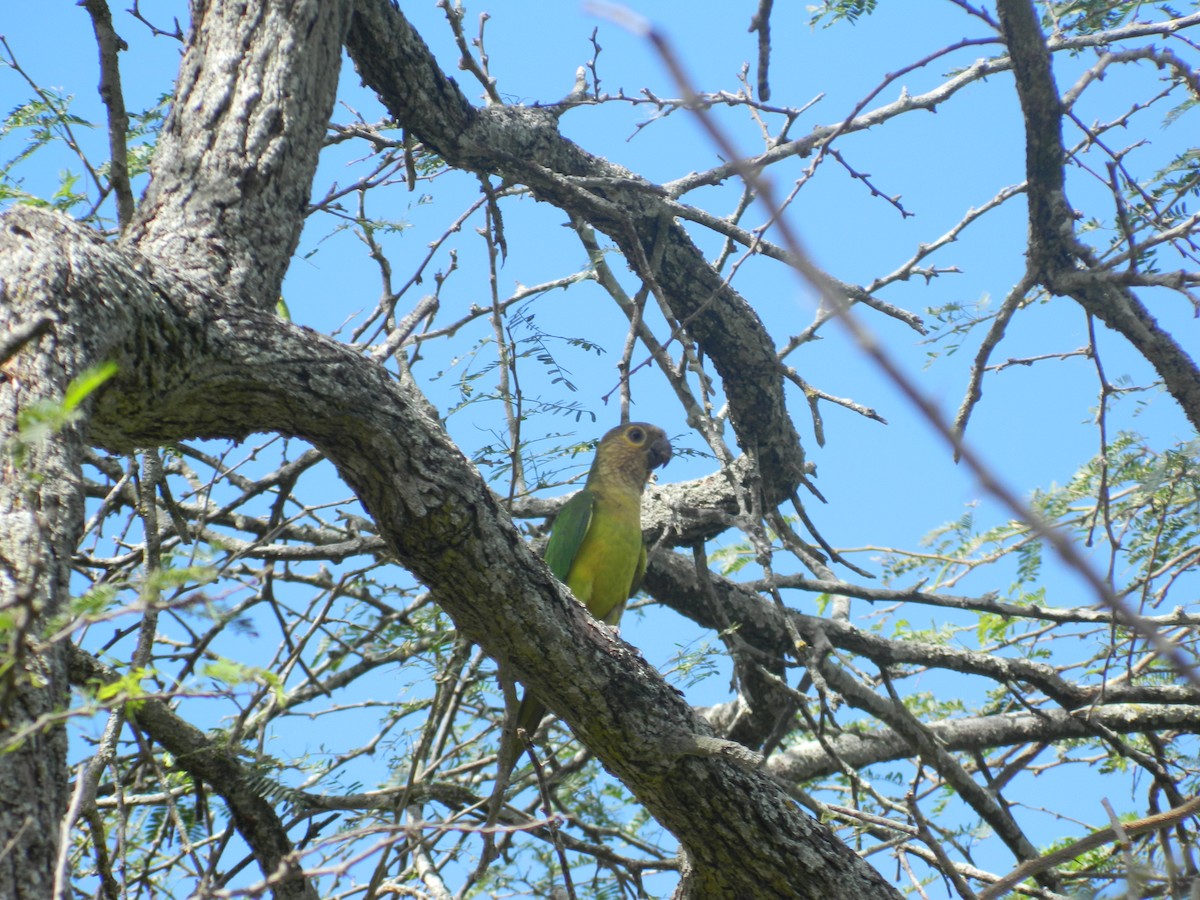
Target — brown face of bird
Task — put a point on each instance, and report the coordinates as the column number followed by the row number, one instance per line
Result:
column 628, row 453
column 653, row 442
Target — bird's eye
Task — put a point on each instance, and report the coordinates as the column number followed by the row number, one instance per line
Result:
column 637, row 435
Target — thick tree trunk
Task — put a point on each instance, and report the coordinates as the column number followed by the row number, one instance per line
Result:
column 234, row 164
column 41, row 514
column 231, row 179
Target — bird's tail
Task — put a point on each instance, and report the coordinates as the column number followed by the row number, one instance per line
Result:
column 531, row 713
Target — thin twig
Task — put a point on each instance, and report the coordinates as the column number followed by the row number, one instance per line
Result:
column 118, row 119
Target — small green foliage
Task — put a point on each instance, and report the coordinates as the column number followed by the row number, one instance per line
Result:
column 90, row 606
column 1029, row 562
column 45, row 121
column 94, row 601
column 731, row 559
column 1088, row 16
column 127, row 687
column 41, row 420
column 233, row 673
column 992, row 629
column 531, row 341
column 165, row 579
column 1148, row 501
column 950, row 323
column 42, row 119
column 692, row 663
column 831, row 11
column 67, row 195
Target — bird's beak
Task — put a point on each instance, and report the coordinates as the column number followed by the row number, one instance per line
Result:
column 660, row 453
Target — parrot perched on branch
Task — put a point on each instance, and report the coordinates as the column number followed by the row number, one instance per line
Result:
column 596, row 543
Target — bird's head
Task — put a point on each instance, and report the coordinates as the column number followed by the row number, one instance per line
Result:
column 630, row 452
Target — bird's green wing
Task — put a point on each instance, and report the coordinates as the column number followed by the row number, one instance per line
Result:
column 566, row 537
column 639, row 573
column 568, row 532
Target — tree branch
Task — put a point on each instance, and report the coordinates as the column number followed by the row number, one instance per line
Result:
column 1056, row 257
column 523, row 145
column 233, row 168
column 216, row 765
column 805, row 760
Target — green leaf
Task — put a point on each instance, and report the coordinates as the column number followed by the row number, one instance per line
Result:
column 127, row 687
column 87, row 383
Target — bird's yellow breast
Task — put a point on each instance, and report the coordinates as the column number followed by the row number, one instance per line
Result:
column 602, row 572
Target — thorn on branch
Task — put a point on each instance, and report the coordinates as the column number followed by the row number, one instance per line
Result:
column 865, row 178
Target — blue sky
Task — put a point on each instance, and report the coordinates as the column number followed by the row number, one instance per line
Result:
column 886, row 485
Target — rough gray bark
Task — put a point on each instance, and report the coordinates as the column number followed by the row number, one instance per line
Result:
column 1074, row 710
column 41, row 517
column 234, row 162
column 212, row 762
column 812, row 759
column 183, row 307
column 106, row 309
column 197, row 363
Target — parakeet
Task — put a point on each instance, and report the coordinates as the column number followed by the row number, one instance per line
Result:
column 596, row 543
